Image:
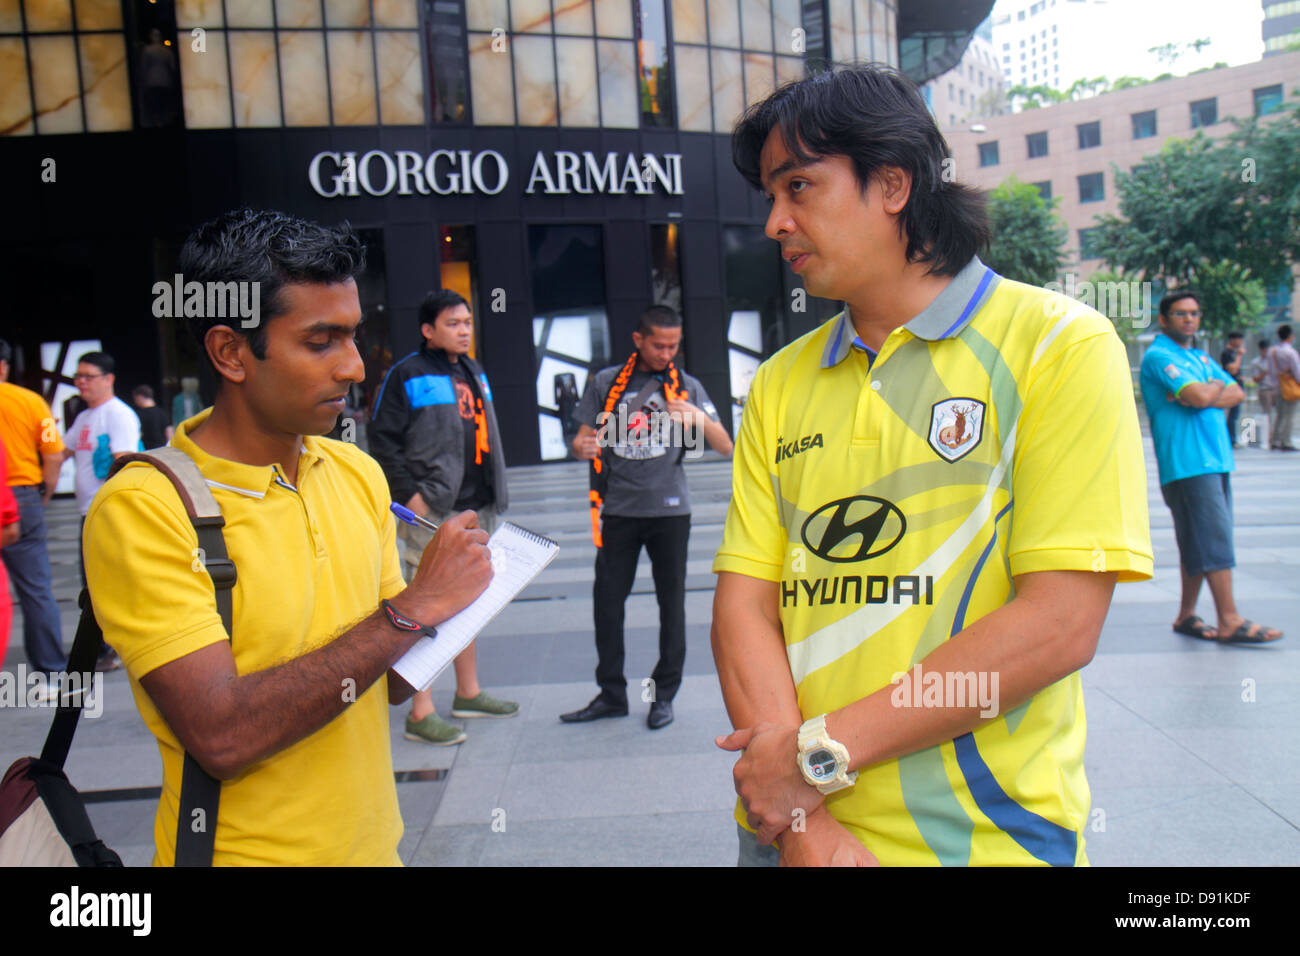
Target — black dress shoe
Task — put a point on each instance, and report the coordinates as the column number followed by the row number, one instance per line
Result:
column 597, row 709
column 661, row 714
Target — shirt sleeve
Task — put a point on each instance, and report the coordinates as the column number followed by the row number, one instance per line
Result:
column 1166, row 373
column 123, row 430
column 46, row 428
column 588, row 406
column 1079, row 482
column 702, row 400
column 753, row 540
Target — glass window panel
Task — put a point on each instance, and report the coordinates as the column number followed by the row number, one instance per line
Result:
column 304, row 86
column 692, row 66
column 487, row 15
column 728, row 91
column 759, row 77
column 665, row 266
column 15, row 96
column 104, row 78
column 789, row 68
column 890, row 15
column 205, row 83
column 724, row 23
column 11, row 21
column 785, row 18
column 530, row 16
column 352, row 78
column 396, row 13
column 690, row 24
column 843, row 48
column 401, row 77
column 199, row 13
column 653, row 65
column 48, row 16
column 158, row 81
column 490, row 83
column 99, row 15
column 574, row 17
column 256, row 81
column 619, row 107
column 756, row 24
column 248, row 13
column 54, row 74
column 534, row 80
column 577, row 62
column 347, row 13
column 614, row 18
column 298, row 13
column 448, row 70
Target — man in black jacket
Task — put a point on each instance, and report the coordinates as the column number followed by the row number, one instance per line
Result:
column 435, row 434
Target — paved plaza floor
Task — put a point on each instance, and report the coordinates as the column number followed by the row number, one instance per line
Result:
column 1193, row 750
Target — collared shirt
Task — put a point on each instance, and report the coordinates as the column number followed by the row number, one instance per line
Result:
column 1188, row 441
column 994, row 435
column 312, row 560
column 28, row 431
column 1282, row 357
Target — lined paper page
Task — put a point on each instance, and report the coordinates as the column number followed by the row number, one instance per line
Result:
column 518, row 556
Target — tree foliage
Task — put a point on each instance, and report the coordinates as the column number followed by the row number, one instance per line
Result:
column 1027, row 234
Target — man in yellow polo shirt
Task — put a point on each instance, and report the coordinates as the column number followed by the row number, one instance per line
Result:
column 290, row 711
column 935, row 493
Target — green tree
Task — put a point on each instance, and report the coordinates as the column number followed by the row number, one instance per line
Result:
column 1027, row 234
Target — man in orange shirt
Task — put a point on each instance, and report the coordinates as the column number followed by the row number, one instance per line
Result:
column 31, row 438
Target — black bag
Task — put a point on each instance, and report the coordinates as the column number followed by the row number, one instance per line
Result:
column 43, row 821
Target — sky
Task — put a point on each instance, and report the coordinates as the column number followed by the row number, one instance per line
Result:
column 1120, row 37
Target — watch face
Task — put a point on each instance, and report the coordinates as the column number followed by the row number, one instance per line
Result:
column 821, row 763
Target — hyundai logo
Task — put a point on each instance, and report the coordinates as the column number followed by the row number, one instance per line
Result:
column 854, row 529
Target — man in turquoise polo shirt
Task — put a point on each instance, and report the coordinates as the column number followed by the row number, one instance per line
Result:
column 1185, row 393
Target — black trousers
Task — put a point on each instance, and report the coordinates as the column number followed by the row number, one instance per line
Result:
column 665, row 541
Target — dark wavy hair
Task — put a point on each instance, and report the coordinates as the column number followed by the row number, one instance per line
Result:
column 436, row 303
column 873, row 115
column 273, row 249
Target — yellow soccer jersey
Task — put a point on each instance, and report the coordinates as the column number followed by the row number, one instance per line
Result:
column 893, row 500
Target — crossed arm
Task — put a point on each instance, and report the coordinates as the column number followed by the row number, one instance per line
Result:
column 1211, row 394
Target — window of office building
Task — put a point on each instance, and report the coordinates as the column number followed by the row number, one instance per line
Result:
column 1037, row 144
column 1089, row 135
column 989, row 154
column 1044, row 189
column 652, row 62
column 1144, row 124
column 1092, row 187
column 1087, row 240
column 1268, row 99
column 1205, row 112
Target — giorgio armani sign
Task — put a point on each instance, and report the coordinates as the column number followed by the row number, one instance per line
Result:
column 447, row 172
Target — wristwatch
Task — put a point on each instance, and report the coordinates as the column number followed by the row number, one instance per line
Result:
column 404, row 623
column 823, row 761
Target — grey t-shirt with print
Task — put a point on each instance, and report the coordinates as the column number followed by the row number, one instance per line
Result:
column 642, row 448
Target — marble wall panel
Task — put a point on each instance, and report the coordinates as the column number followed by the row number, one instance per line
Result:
column 530, row 16
column 534, row 60
column 205, row 83
column 401, row 77
column 104, row 80
column 347, row 13
column 756, row 25
column 728, row 90
column 614, row 18
column 786, row 17
column 304, row 85
column 574, row 17
column 620, row 104
column 760, row 76
column 843, row 49
column 249, row 13
column 297, row 13
column 789, row 68
column 99, row 15
column 255, row 76
column 487, row 15
column 199, row 13
column 396, row 13
column 690, row 22
column 724, row 23
column 54, row 75
column 48, row 16
column 694, row 111
column 352, row 78
column 891, row 27
column 11, row 21
column 579, row 103
column 15, row 94
column 491, row 85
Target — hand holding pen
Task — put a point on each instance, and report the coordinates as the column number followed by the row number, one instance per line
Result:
column 456, row 568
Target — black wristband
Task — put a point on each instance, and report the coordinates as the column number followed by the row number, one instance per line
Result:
column 404, row 623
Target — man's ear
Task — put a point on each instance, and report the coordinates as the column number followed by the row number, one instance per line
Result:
column 895, row 188
column 637, row 339
column 228, row 351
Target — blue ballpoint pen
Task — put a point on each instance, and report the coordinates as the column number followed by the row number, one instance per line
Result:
column 410, row 517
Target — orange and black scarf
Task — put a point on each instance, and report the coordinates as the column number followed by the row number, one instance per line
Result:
column 598, row 477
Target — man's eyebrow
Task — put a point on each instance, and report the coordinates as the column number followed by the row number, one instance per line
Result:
column 317, row 327
column 789, row 165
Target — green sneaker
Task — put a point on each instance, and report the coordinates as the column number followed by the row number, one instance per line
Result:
column 484, row 705
column 432, row 729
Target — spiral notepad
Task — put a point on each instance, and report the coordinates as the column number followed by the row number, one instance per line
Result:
column 518, row 556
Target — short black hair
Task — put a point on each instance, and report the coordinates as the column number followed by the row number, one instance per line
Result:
column 1283, row 333
column 435, row 303
column 1235, row 335
column 143, row 391
column 1263, row 344
column 101, row 360
column 658, row 317
column 4, row 351
column 1172, row 297
column 270, row 248
column 873, row 115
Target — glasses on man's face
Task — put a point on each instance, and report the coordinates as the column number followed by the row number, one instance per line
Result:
column 1180, row 314
column 83, row 377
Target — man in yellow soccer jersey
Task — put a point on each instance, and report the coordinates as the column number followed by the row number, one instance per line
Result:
column 934, row 495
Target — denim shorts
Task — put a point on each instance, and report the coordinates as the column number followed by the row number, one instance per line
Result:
column 1202, row 509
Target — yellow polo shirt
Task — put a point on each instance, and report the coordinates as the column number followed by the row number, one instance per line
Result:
column 28, row 431
column 312, row 560
column 893, row 500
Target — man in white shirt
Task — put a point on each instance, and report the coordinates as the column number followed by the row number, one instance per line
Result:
column 1282, row 358
column 106, row 429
